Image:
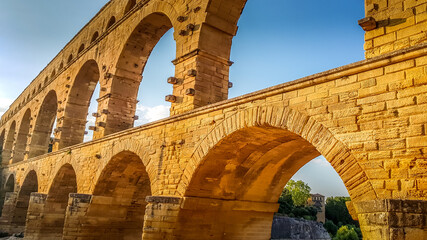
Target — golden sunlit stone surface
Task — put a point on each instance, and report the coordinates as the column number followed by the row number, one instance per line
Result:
column 216, row 167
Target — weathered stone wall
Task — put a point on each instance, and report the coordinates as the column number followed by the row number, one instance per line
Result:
column 351, row 104
column 398, row 24
column 217, row 170
column 372, row 135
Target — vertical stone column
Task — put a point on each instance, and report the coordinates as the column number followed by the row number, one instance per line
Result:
column 35, row 215
column 3, row 194
column 204, row 218
column 75, row 217
column 7, row 156
column 202, row 79
column 392, row 219
column 161, row 215
column 97, row 217
column 194, row 218
column 116, row 108
column 71, row 127
column 7, row 211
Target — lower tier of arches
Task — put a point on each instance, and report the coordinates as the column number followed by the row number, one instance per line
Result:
column 173, row 218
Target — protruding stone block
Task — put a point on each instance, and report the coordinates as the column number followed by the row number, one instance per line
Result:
column 170, row 98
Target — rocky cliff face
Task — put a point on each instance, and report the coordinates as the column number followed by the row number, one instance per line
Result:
column 285, row 228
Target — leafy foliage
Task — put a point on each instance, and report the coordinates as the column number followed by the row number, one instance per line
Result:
column 339, row 223
column 337, row 214
column 337, row 211
column 331, row 227
column 299, row 191
column 346, row 233
column 357, row 230
column 288, row 206
column 285, row 201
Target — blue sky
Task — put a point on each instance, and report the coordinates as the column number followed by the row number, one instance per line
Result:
column 277, row 41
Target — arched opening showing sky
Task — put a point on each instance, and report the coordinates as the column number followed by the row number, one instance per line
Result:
column 276, row 42
column 154, row 86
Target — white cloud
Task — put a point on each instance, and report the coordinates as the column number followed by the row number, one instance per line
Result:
column 151, row 114
column 146, row 115
column 4, row 105
column 90, row 122
column 321, row 161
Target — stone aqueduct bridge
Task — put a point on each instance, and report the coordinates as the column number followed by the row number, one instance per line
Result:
column 216, row 167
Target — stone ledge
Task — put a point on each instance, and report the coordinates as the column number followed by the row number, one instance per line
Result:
column 83, row 198
column 391, row 205
column 194, row 203
column 163, row 199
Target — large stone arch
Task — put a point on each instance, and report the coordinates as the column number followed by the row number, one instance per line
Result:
column 77, row 106
column 128, row 69
column 294, row 122
column 2, row 140
column 54, row 212
column 8, row 145
column 129, row 5
column 240, row 168
column 22, row 137
column 8, row 187
column 46, row 116
column 29, row 186
column 117, row 205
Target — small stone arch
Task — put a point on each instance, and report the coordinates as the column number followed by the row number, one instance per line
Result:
column 111, row 22
column 29, row 186
column 43, row 126
column 81, row 48
column 61, row 65
column 70, row 58
column 129, row 5
column 64, row 183
column 22, row 137
column 77, row 105
column 94, row 37
column 8, row 146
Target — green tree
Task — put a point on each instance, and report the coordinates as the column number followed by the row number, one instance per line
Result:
column 288, row 207
column 286, row 204
column 331, row 227
column 357, row 230
column 299, row 191
column 336, row 211
column 345, row 233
